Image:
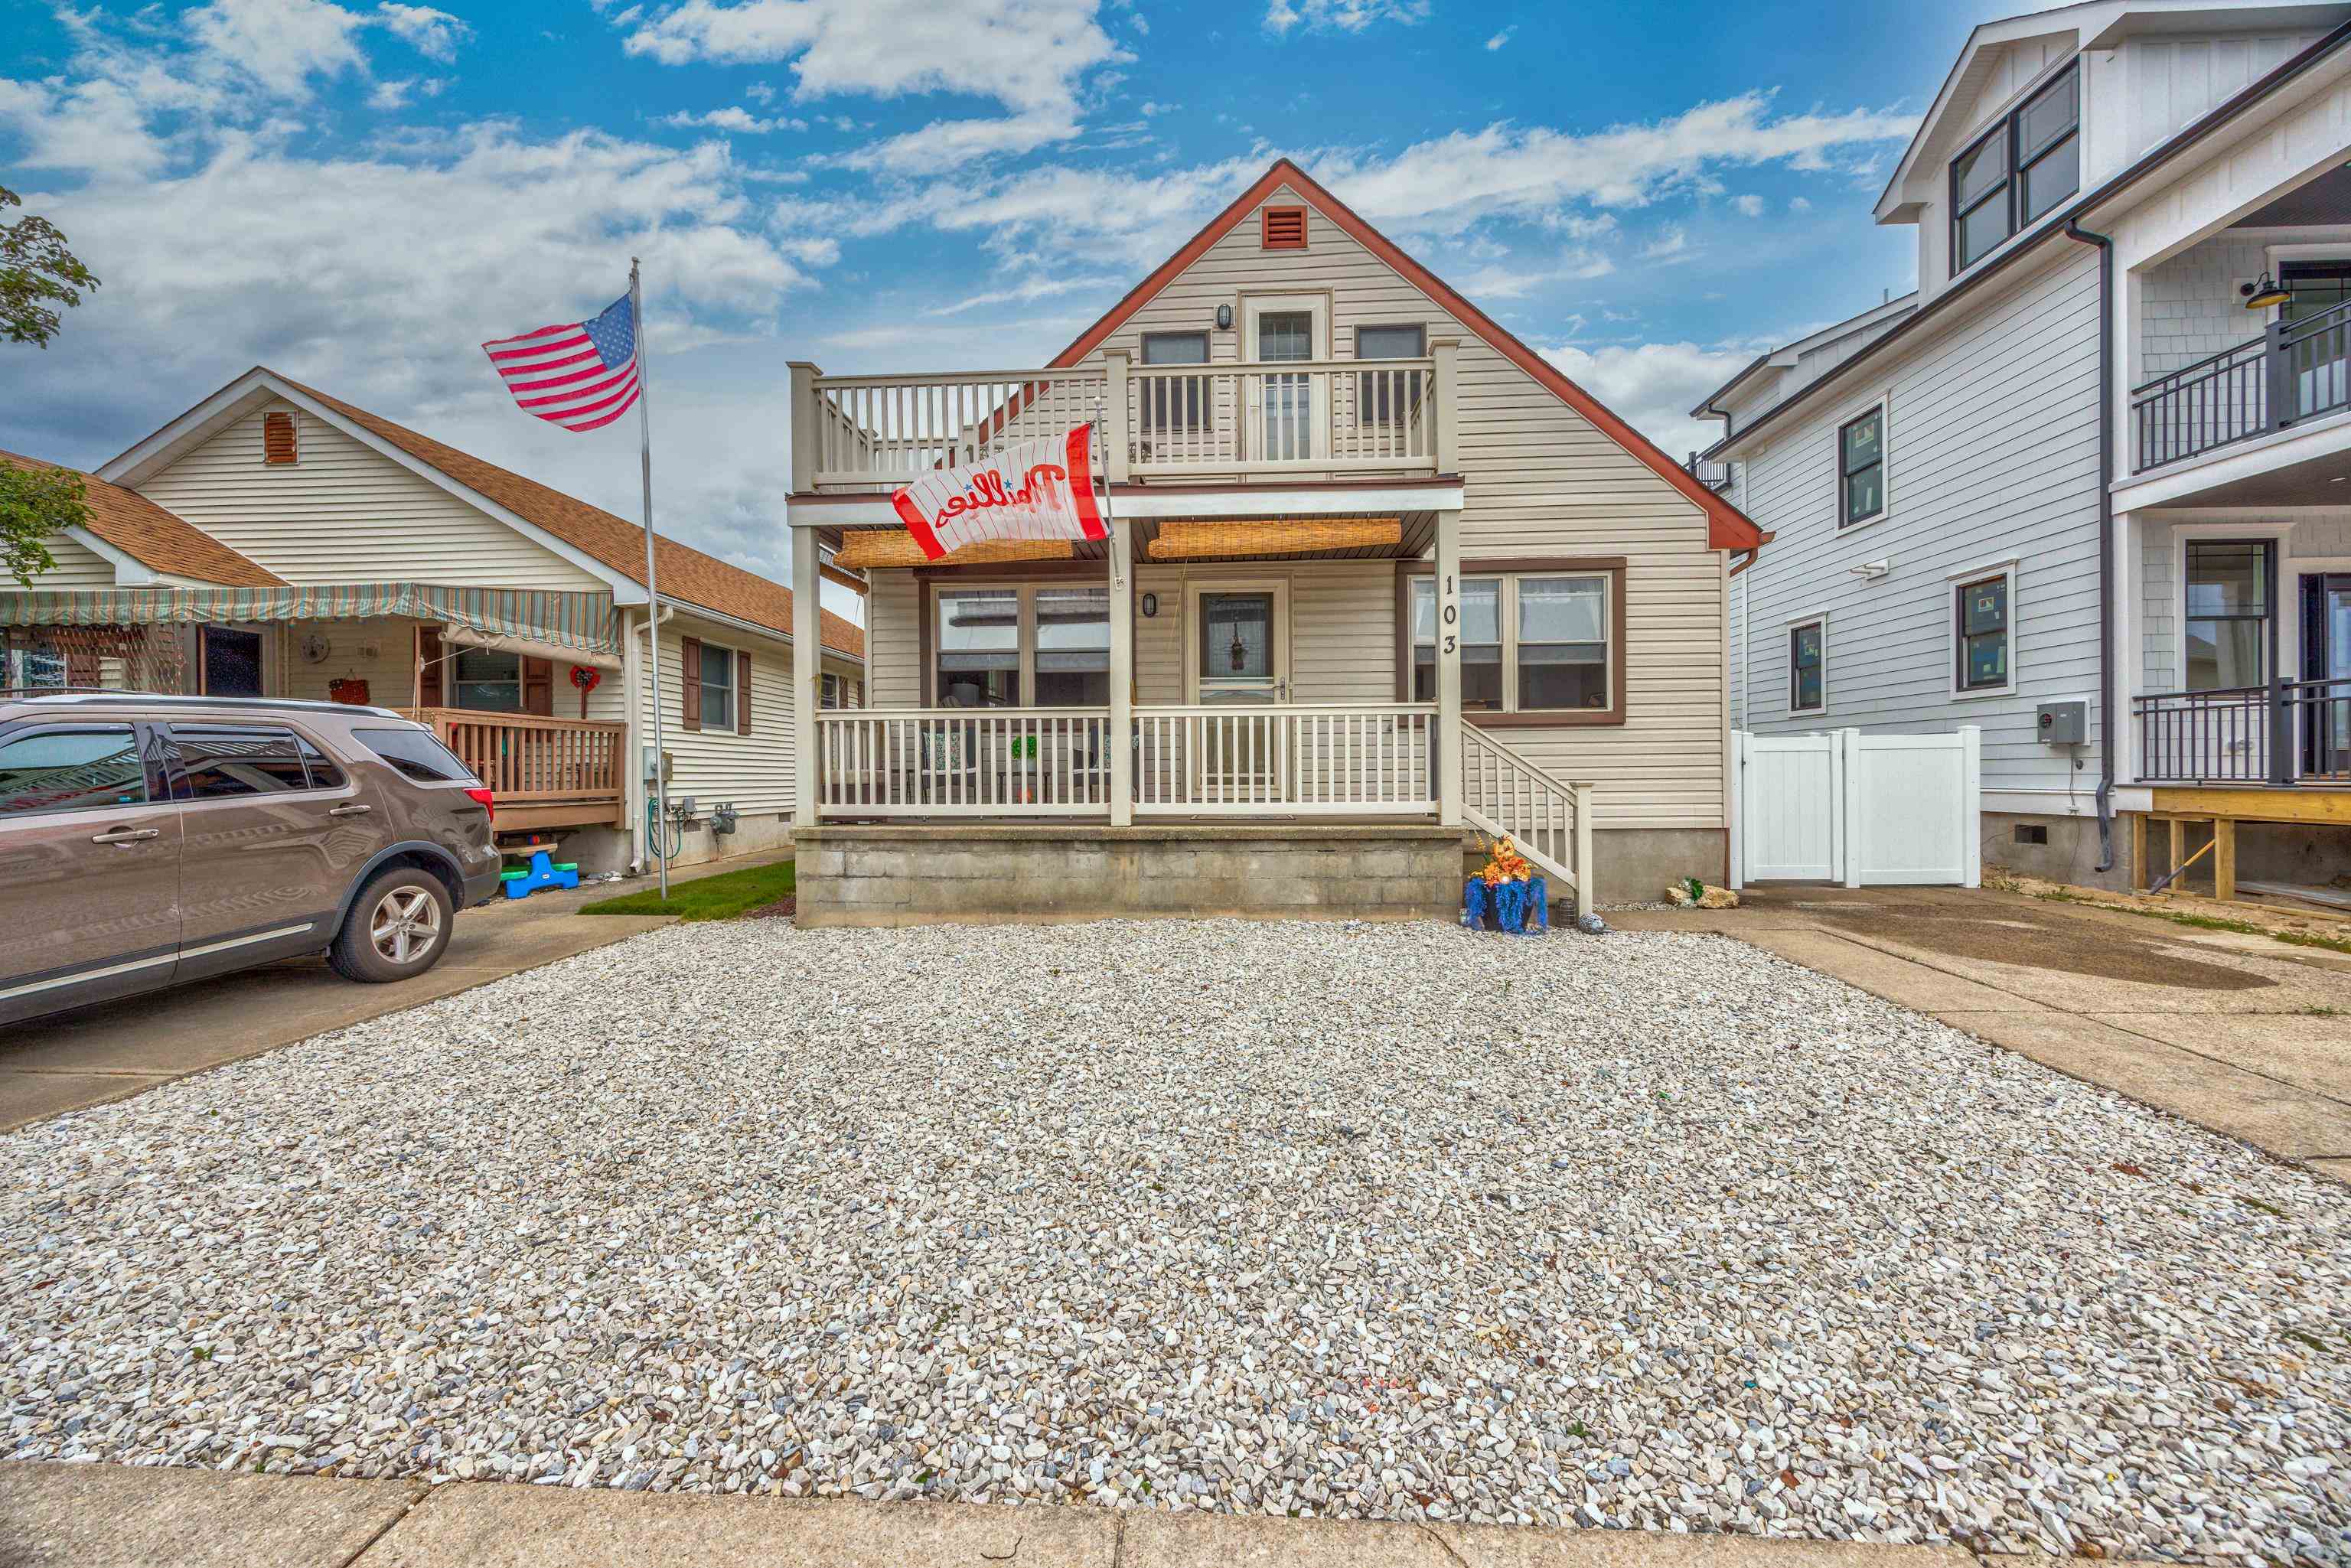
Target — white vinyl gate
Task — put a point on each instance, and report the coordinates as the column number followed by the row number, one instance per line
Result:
column 1862, row 810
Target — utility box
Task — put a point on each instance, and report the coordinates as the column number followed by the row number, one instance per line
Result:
column 2064, row 724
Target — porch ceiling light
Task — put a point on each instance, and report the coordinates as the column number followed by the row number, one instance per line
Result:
column 2262, row 295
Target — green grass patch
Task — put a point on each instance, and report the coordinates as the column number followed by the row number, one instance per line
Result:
column 720, row 897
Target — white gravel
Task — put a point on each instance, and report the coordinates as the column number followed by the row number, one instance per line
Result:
column 1385, row 1221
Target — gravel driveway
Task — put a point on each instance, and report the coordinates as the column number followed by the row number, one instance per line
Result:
column 1387, row 1221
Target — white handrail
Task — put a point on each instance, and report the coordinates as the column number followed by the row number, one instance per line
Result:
column 1548, row 819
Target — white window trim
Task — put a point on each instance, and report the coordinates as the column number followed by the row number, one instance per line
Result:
column 1952, row 583
column 1025, row 600
column 734, row 687
column 1794, row 624
column 2279, row 536
column 1507, row 608
column 1883, row 405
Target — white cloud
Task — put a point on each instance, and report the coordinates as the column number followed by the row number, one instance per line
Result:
column 734, row 118
column 279, row 43
column 1028, row 55
column 1447, row 183
column 1151, row 111
column 1669, row 248
column 1799, row 204
column 390, row 94
column 1282, row 16
column 1748, row 206
column 436, row 35
column 1653, row 386
column 945, row 142
column 1499, row 39
column 760, row 92
column 1031, row 291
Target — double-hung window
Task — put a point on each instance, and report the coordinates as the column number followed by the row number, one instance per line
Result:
column 1389, row 397
column 2018, row 171
column 1981, row 614
column 1808, row 667
column 1176, row 401
column 2230, row 585
column 1021, row 644
column 1531, row 642
column 1861, row 468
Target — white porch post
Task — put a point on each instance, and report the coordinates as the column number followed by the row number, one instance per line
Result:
column 1120, row 737
column 808, row 631
column 1448, row 669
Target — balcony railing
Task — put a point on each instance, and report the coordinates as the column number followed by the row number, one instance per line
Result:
column 1276, row 419
column 2293, row 372
column 2283, row 733
column 541, row 771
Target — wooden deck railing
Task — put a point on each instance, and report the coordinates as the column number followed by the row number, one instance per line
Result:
column 534, row 762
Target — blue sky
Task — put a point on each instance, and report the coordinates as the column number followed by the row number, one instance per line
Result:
column 358, row 194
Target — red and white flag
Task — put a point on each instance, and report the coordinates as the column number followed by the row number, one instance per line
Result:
column 1040, row 489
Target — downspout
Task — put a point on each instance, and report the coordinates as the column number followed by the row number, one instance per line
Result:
column 2074, row 231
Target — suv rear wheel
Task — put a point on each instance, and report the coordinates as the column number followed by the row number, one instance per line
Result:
column 399, row 926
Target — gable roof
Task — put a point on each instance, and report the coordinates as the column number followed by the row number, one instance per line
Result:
column 1727, row 528
column 160, row 540
column 689, row 576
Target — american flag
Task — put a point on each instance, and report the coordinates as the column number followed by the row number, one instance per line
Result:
column 582, row 376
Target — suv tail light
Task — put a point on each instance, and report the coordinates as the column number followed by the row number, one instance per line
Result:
column 486, row 800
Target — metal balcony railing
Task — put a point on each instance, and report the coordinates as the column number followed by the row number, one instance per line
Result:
column 2293, row 372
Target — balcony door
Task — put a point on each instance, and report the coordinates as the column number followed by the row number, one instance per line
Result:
column 2326, row 656
column 1289, row 416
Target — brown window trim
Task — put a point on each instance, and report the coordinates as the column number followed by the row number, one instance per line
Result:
column 1613, row 566
column 1266, row 217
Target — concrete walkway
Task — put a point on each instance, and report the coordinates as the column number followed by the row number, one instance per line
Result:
column 116, row 1050
column 2244, row 1035
column 109, row 1516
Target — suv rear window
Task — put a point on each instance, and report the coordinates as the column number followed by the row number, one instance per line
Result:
column 417, row 754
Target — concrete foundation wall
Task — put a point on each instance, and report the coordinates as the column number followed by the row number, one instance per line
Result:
column 920, row 876
column 2266, row 851
column 1635, row 863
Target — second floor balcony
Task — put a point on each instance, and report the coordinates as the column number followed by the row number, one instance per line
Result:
column 1276, row 420
column 2296, row 371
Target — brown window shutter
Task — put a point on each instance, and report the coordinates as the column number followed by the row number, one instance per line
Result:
column 538, row 687
column 278, row 437
column 429, row 688
column 1284, row 228
column 689, row 681
column 742, row 693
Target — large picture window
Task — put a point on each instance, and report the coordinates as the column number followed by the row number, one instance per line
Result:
column 2017, row 172
column 1020, row 645
column 1531, row 642
column 2230, row 589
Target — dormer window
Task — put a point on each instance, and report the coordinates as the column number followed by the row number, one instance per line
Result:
column 278, row 438
column 2018, row 171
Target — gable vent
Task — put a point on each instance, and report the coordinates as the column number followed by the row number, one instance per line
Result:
column 1284, row 228
column 278, row 437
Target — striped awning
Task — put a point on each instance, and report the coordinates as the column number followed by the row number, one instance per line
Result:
column 584, row 621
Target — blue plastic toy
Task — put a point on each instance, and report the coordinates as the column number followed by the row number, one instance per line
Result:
column 1509, row 903
column 542, row 872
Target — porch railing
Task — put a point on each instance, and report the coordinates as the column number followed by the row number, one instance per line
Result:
column 527, row 761
column 2283, row 733
column 1549, row 819
column 2294, row 371
column 1229, row 420
column 1227, row 759
column 968, row 762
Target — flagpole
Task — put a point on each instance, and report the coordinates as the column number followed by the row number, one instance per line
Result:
column 653, row 583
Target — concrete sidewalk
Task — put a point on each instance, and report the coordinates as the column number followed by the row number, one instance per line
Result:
column 109, row 1516
column 2239, row 1033
column 119, row 1049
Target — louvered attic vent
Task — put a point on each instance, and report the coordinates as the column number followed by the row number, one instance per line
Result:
column 278, row 437
column 1284, row 228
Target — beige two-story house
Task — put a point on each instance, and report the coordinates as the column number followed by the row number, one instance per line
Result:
column 1374, row 564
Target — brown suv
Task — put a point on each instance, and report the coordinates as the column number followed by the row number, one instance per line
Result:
column 149, row 839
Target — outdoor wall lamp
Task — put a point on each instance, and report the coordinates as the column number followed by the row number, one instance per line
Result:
column 2262, row 295
column 1224, row 318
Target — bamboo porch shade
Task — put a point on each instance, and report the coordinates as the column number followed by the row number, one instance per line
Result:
column 1194, row 541
column 895, row 547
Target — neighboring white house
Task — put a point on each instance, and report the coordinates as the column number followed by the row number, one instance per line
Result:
column 276, row 541
column 1372, row 558
column 1932, row 469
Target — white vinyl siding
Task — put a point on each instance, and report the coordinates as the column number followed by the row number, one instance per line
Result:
column 345, row 513
column 1995, row 457
column 78, row 566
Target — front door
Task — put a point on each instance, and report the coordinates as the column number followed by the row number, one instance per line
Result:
column 1240, row 662
column 1289, row 416
column 2326, row 656
column 232, row 662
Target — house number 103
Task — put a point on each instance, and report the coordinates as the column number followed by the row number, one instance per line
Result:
column 1451, row 613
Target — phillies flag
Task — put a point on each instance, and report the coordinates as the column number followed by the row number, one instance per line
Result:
column 1040, row 489
column 581, row 375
